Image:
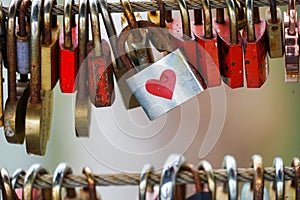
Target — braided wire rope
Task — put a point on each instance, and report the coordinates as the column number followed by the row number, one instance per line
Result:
column 184, row 177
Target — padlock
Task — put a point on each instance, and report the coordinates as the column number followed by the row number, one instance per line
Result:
column 68, row 50
column 165, row 84
column 181, row 34
column 2, row 53
column 255, row 48
column 274, row 19
column 82, row 102
column 230, row 47
column 101, row 85
column 230, row 190
column 257, row 190
column 119, row 69
column 291, row 37
column 15, row 106
column 23, row 39
column 277, row 187
column 206, row 37
column 38, row 118
column 49, row 48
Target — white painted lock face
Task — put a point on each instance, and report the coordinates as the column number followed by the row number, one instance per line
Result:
column 165, row 84
column 247, row 193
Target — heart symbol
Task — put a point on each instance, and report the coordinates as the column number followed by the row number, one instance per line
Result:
column 164, row 87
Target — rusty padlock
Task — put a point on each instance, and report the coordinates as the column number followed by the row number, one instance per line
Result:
column 255, row 48
column 230, row 47
column 38, row 118
column 291, row 37
column 82, row 102
column 68, row 51
column 165, row 84
column 15, row 106
column 119, row 69
column 101, row 85
column 274, row 20
column 207, row 50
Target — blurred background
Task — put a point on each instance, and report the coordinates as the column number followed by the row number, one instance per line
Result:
column 217, row 122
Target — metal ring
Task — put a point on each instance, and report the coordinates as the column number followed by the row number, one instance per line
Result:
column 68, row 23
column 7, row 193
column 258, row 176
column 229, row 164
column 279, row 183
column 95, row 23
column 147, row 169
column 19, row 172
column 29, row 179
column 185, row 17
column 233, row 21
column 296, row 181
column 59, row 174
column 206, row 166
column 168, row 176
column 49, row 21
column 250, row 21
column 91, row 182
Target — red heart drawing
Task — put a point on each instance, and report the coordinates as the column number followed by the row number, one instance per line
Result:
column 164, row 87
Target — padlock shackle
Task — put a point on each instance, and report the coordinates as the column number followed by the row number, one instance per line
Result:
column 273, row 10
column 162, row 13
column 83, row 30
column 11, row 49
column 292, row 10
column 67, row 23
column 95, row 24
column 35, row 54
column 2, row 20
column 208, row 32
column 250, row 21
column 291, row 6
column 185, row 18
column 50, row 21
column 131, row 20
column 233, row 21
column 22, row 18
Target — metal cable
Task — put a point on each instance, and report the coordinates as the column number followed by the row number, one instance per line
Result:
column 244, row 175
column 142, row 6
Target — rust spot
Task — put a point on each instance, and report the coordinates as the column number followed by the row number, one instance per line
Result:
column 233, row 64
column 247, row 62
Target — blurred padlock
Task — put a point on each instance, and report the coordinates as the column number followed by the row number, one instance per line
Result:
column 255, row 48
column 82, row 102
column 15, row 106
column 3, row 35
column 230, row 47
column 2, row 49
column 206, row 37
column 49, row 47
column 68, row 52
column 165, row 84
column 38, row 114
column 121, row 71
column 101, row 85
column 274, row 30
column 291, row 37
column 23, row 39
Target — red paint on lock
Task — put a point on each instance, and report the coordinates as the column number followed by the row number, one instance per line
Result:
column 255, row 57
column 101, row 84
column 68, row 62
column 208, row 58
column 230, row 56
column 185, row 42
column 164, row 87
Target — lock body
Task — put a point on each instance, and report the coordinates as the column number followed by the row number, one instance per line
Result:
column 230, row 56
column 256, row 65
column 68, row 62
column 49, row 61
column 208, row 58
column 101, row 85
column 275, row 34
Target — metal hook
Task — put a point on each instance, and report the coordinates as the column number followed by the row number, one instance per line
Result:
column 91, row 182
column 296, row 181
column 258, row 176
column 33, row 172
column 7, row 193
column 206, row 166
column 229, row 164
column 279, row 183
column 147, row 169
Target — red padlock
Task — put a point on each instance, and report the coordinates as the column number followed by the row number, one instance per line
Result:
column 180, row 33
column 206, row 37
column 101, row 83
column 230, row 47
column 255, row 53
column 68, row 51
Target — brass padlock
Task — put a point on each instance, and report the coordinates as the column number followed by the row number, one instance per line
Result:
column 15, row 106
column 82, row 103
column 38, row 118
